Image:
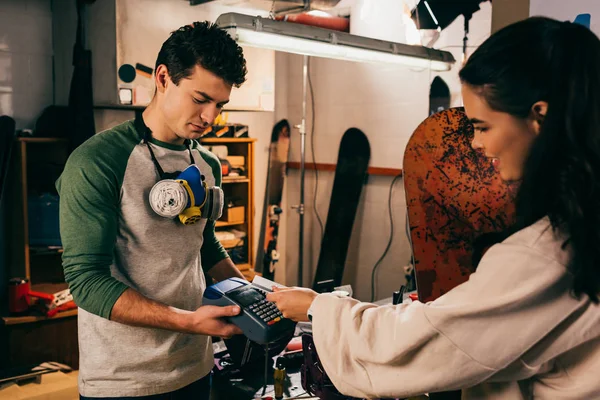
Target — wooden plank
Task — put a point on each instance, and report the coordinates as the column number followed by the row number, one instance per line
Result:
column 379, row 171
column 15, row 255
column 250, row 211
column 24, row 197
column 243, row 267
column 228, row 140
column 249, row 274
column 119, row 107
column 49, row 288
column 384, row 171
column 220, row 224
column 311, row 166
column 29, row 319
column 232, row 180
column 41, row 140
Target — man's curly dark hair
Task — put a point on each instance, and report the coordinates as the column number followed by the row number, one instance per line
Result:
column 206, row 45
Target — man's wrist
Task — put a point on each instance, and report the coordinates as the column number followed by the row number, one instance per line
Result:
column 182, row 320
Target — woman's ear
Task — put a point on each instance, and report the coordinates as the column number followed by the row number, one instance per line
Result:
column 161, row 78
column 538, row 114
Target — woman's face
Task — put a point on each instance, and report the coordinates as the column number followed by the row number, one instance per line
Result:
column 503, row 138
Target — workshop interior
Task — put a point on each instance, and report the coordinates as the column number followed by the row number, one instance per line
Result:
column 343, row 164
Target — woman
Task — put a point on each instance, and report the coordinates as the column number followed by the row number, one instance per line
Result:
column 527, row 323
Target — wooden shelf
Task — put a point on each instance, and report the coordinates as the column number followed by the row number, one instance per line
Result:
column 249, row 274
column 133, row 107
column 228, row 140
column 331, row 167
column 38, row 250
column 220, row 224
column 50, row 288
column 235, row 180
column 120, row 107
column 243, row 267
column 29, row 319
column 41, row 140
column 232, row 243
column 240, row 190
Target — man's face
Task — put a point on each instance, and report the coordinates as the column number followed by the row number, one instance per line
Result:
column 192, row 105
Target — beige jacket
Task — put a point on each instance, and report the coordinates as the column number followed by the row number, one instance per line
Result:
column 513, row 331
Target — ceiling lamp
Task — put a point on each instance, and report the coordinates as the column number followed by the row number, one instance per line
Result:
column 318, row 42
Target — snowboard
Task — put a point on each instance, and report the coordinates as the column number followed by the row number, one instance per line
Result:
column 439, row 96
column 350, row 176
column 454, row 198
column 268, row 254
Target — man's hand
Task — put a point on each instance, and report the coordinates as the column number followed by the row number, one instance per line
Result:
column 134, row 309
column 293, row 302
column 211, row 321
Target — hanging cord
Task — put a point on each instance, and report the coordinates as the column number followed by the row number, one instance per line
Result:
column 312, row 149
column 272, row 12
column 389, row 244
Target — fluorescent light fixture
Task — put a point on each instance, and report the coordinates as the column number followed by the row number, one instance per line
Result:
column 318, row 42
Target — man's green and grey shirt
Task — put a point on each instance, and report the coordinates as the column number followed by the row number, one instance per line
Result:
column 113, row 240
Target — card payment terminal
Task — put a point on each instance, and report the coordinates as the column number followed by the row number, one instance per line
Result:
column 259, row 319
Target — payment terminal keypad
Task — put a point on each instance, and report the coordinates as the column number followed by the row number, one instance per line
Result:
column 266, row 311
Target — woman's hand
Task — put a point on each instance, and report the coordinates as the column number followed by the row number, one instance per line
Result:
column 293, row 302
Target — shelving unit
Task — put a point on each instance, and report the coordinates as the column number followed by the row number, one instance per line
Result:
column 240, row 188
column 36, row 165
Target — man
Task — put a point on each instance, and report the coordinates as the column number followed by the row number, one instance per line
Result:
column 137, row 276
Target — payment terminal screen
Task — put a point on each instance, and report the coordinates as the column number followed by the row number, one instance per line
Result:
column 245, row 296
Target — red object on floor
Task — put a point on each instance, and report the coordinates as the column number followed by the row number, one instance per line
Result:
column 334, row 23
column 413, row 296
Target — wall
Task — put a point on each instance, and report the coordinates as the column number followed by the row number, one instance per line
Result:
column 387, row 103
column 557, row 9
column 505, row 12
column 26, row 85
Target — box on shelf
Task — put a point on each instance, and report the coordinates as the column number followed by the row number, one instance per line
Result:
column 226, row 131
column 236, row 161
column 234, row 214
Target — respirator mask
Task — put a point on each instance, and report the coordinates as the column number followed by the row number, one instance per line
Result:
column 188, row 197
column 184, row 194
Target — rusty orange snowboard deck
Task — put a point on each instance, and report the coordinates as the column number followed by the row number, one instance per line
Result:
column 454, row 195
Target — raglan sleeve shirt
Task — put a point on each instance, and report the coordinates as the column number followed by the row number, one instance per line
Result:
column 89, row 190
